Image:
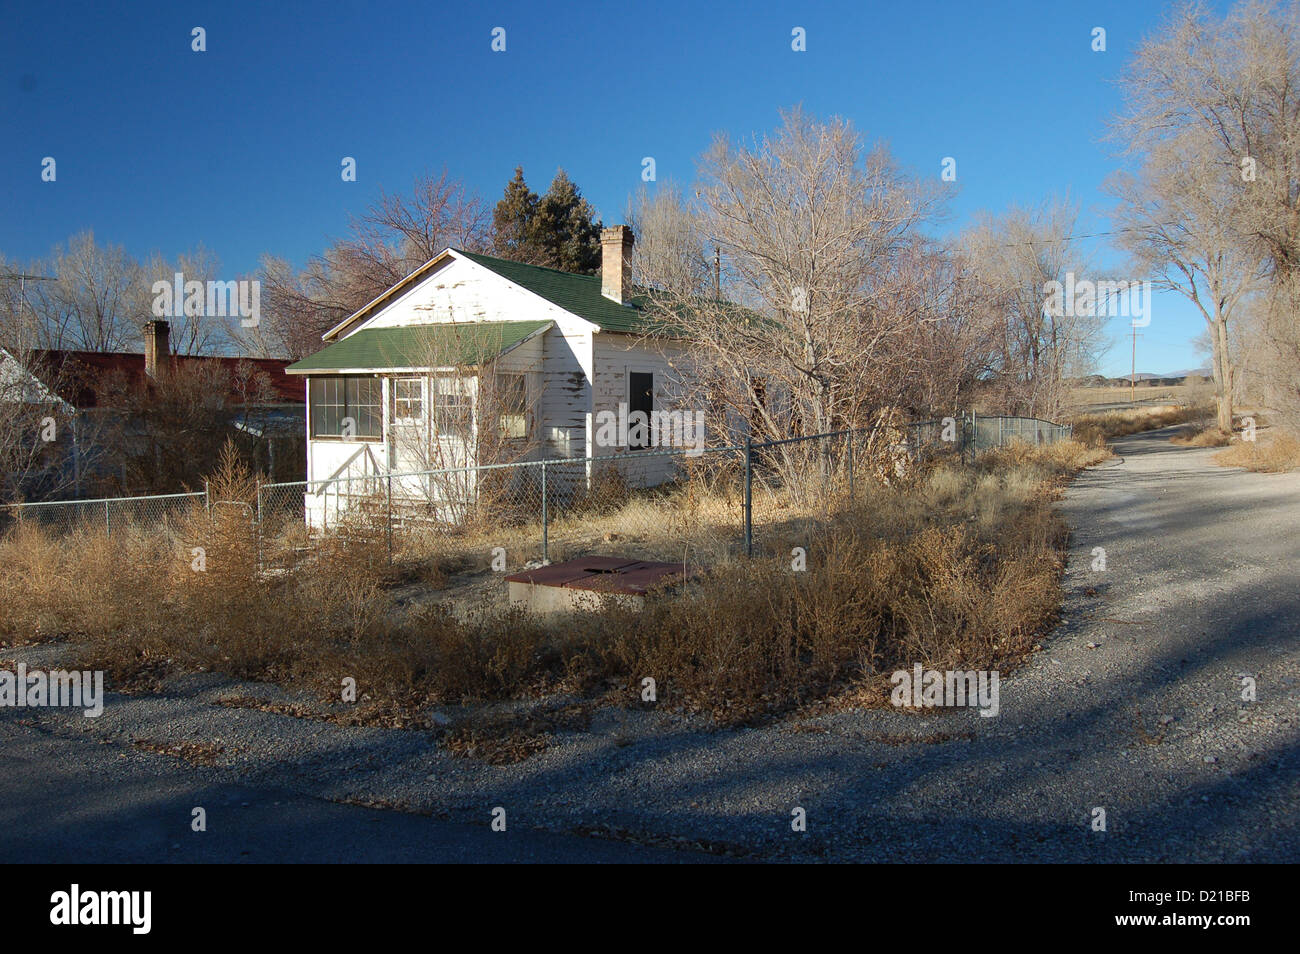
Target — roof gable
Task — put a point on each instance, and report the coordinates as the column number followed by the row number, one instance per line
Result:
column 577, row 295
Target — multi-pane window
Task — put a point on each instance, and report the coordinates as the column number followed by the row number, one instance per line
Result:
column 408, row 399
column 453, row 407
column 347, row 407
column 512, row 404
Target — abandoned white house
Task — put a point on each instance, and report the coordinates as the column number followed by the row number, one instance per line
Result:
column 471, row 360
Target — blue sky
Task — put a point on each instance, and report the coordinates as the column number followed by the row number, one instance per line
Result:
column 239, row 148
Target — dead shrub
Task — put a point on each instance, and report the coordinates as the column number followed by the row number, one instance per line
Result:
column 1275, row 454
column 1096, row 429
column 605, row 493
column 959, row 569
column 1201, row 435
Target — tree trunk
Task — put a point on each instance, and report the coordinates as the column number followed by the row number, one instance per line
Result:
column 1222, row 371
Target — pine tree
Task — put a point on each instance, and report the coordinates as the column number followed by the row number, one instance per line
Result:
column 557, row 230
column 512, row 221
column 564, row 230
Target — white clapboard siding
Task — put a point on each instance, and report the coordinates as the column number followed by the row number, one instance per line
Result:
column 614, row 357
column 566, row 392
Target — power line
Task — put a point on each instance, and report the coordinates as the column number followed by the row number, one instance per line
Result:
column 1068, row 238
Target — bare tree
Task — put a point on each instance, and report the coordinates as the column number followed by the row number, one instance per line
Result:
column 957, row 343
column 1016, row 257
column 1176, row 218
column 669, row 253
column 1217, row 101
column 99, row 301
column 812, row 229
column 36, row 429
column 396, row 236
column 167, row 433
column 192, row 332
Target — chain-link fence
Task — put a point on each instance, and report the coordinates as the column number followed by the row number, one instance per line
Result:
column 651, row 505
column 543, row 510
column 969, row 434
column 105, row 513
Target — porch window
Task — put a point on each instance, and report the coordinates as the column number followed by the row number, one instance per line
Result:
column 347, row 407
column 453, row 407
column 512, row 405
column 408, row 400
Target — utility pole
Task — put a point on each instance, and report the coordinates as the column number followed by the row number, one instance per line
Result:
column 1132, row 378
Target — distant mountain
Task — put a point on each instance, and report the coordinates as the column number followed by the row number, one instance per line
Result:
column 1100, row 380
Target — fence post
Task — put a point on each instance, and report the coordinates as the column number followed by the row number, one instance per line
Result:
column 107, row 529
column 257, row 528
column 749, row 498
column 388, row 520
column 850, row 465
column 1001, row 421
column 546, row 556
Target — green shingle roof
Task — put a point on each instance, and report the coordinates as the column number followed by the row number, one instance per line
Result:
column 578, row 294
column 419, row 346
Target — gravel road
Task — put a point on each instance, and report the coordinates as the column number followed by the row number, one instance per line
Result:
column 1134, row 705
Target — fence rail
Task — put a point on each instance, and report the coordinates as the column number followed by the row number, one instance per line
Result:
column 742, row 497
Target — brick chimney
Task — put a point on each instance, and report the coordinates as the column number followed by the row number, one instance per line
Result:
column 616, row 263
column 157, row 347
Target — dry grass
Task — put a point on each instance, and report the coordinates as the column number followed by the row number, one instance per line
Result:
column 1272, row 454
column 1202, row 435
column 958, row 568
column 1097, row 429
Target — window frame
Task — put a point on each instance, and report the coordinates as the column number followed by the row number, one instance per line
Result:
column 416, row 406
column 518, row 416
column 348, row 406
column 452, row 386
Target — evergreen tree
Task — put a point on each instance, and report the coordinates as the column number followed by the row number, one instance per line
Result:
column 564, row 228
column 512, row 221
column 557, row 230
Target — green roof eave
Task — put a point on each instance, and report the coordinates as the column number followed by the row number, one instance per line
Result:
column 416, row 347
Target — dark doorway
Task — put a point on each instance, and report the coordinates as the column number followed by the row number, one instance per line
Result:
column 641, row 387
